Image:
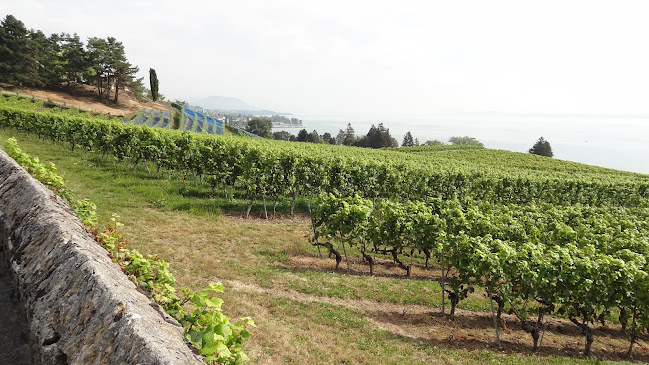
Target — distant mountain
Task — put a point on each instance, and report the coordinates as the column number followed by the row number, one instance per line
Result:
column 231, row 105
column 223, row 103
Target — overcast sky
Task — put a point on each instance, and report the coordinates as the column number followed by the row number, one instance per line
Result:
column 389, row 57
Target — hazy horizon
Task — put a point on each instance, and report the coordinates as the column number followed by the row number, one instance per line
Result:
column 573, row 67
column 381, row 57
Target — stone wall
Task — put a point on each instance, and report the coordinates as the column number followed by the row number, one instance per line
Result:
column 80, row 307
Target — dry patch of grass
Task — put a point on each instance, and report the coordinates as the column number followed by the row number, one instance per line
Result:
column 84, row 97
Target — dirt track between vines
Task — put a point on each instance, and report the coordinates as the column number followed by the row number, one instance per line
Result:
column 468, row 330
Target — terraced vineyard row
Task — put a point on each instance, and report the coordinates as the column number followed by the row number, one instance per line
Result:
column 190, row 121
column 275, row 169
column 585, row 263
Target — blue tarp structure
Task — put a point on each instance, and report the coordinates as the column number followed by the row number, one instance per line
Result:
column 217, row 125
column 189, row 112
column 198, row 121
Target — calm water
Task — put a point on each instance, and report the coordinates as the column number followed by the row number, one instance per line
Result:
column 619, row 142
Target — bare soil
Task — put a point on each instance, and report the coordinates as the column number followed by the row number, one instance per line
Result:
column 84, row 97
column 469, row 330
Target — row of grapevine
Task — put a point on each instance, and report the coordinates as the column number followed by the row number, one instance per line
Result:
column 273, row 169
column 501, row 158
column 583, row 262
column 191, row 121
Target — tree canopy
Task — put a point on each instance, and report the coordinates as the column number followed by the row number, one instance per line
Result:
column 465, row 141
column 433, row 142
column 260, row 126
column 30, row 58
column 282, row 136
column 541, row 148
column 408, row 141
column 377, row 137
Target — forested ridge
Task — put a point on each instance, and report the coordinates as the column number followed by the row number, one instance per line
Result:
column 30, row 58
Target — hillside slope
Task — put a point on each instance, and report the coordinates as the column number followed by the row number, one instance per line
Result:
column 85, row 98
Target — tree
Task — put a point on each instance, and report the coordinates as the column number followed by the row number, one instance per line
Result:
column 377, row 137
column 465, row 141
column 109, row 66
column 48, row 59
column 260, row 126
column 153, row 81
column 328, row 138
column 433, row 142
column 340, row 137
column 175, row 124
column 124, row 71
column 302, row 136
column 314, row 137
column 75, row 59
column 541, row 148
column 18, row 54
column 350, row 135
column 282, row 136
column 139, row 91
column 100, row 71
column 407, row 140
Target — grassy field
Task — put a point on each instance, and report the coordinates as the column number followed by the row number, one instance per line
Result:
column 306, row 313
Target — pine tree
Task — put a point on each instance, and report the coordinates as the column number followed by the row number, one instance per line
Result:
column 75, row 59
column 350, row 135
column 541, row 148
column 18, row 54
column 408, row 140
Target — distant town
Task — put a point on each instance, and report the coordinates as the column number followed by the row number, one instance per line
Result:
column 240, row 120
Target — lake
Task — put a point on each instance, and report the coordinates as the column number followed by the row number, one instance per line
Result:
column 615, row 141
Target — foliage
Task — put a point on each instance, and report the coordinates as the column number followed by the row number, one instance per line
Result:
column 205, row 326
column 175, row 119
column 408, row 141
column 18, row 54
column 328, row 138
column 465, row 141
column 261, row 127
column 30, row 58
column 573, row 241
column 349, row 135
column 541, row 148
column 377, row 137
column 280, row 168
column 45, row 173
column 154, row 83
column 304, row 136
column 433, row 142
column 282, row 136
column 540, row 259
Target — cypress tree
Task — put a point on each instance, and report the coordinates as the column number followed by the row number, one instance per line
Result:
column 153, row 80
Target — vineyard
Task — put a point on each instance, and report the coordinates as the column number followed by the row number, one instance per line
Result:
column 191, row 121
column 542, row 238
